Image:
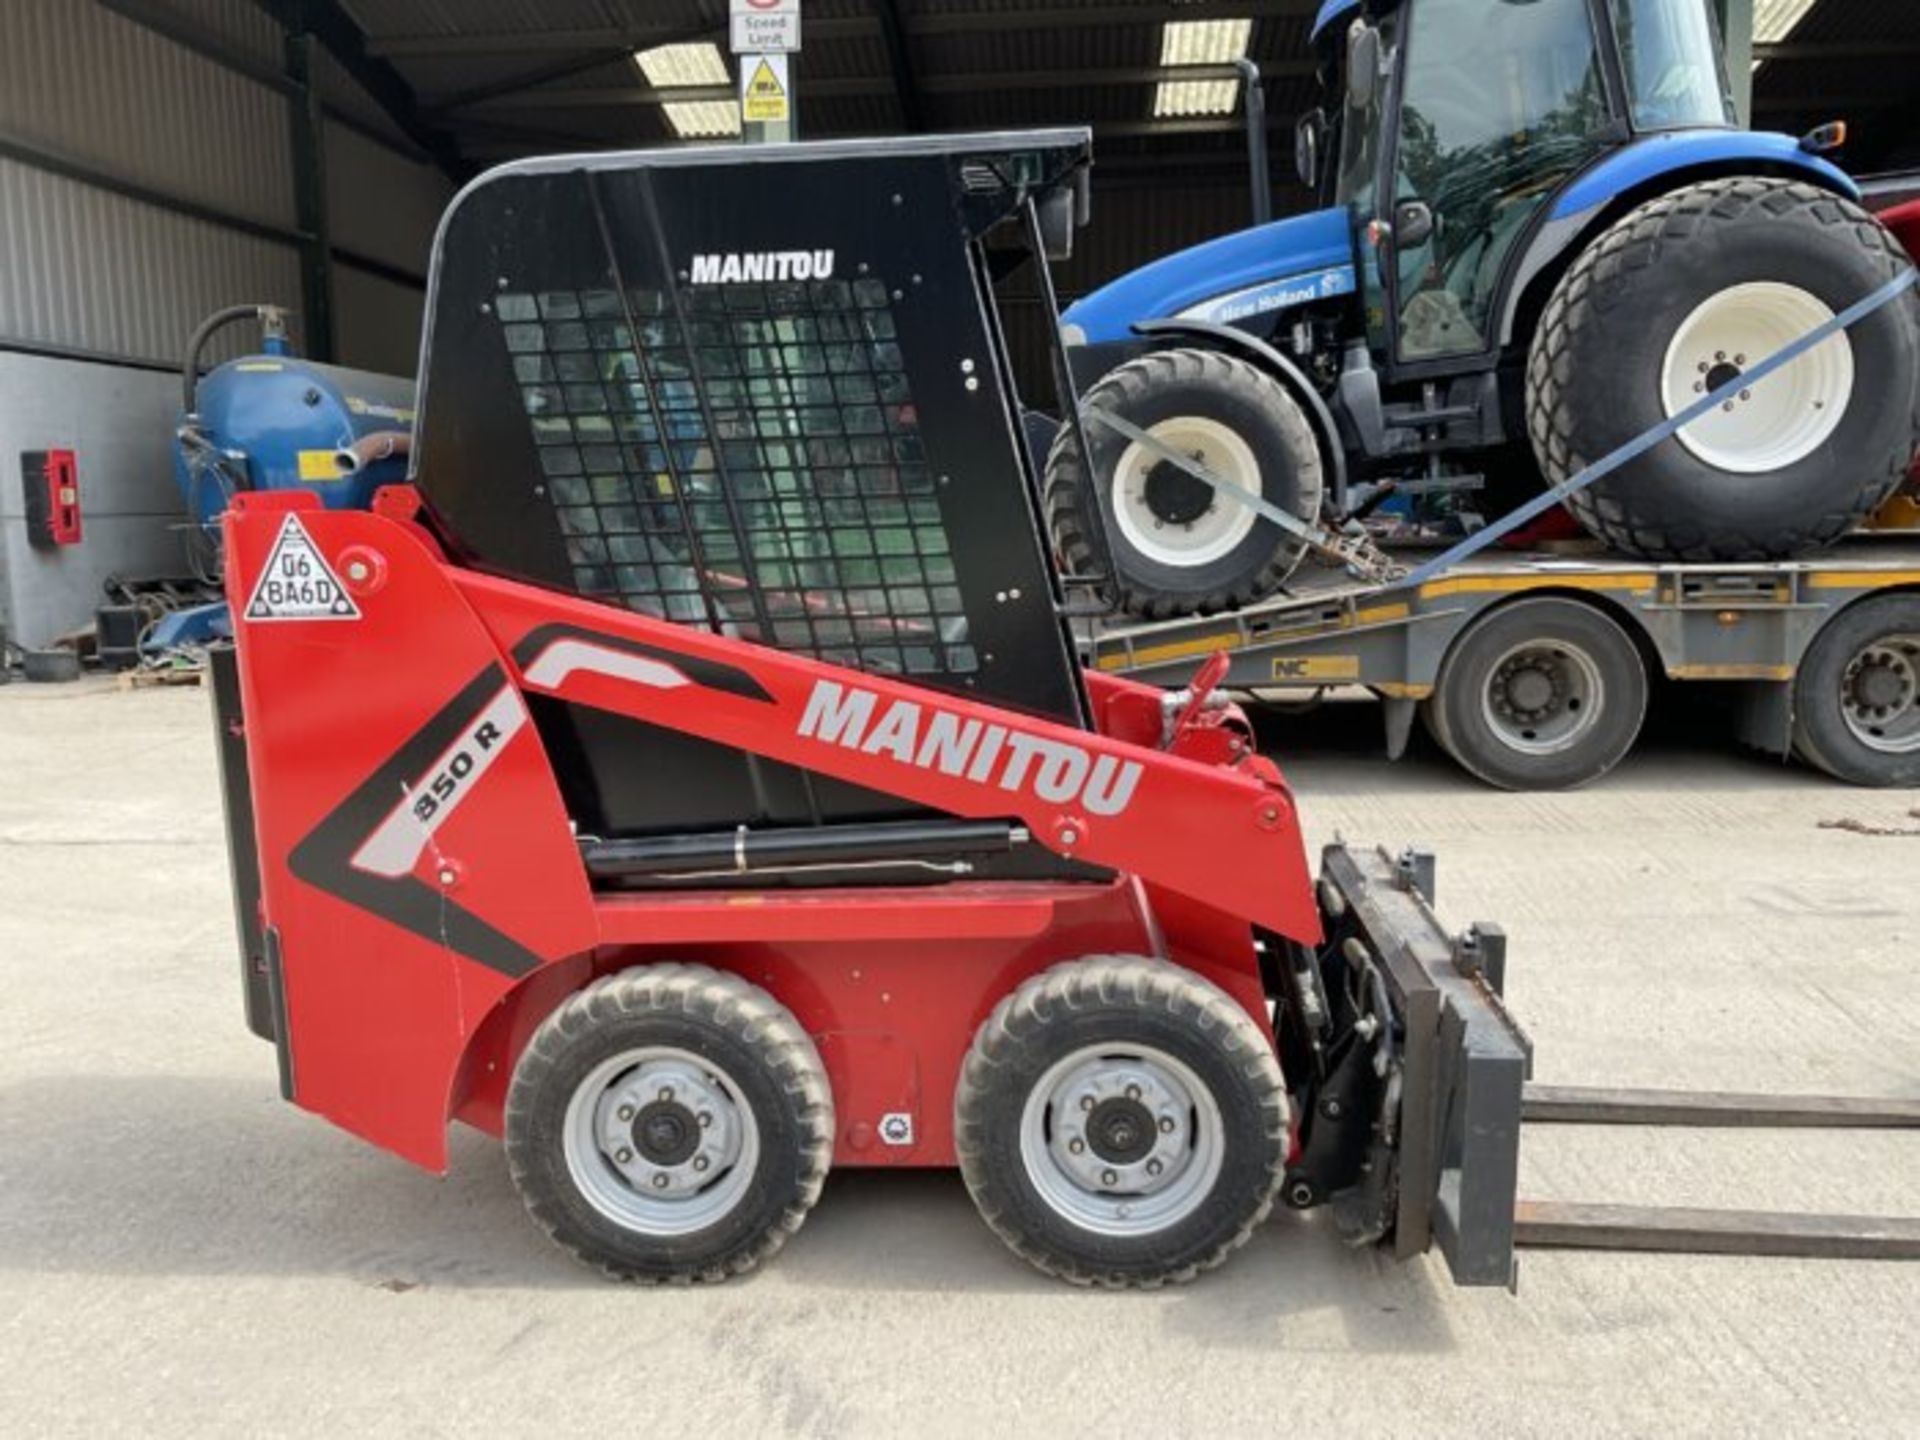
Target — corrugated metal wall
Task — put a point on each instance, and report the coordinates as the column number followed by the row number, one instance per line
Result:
column 92, row 271
column 83, row 269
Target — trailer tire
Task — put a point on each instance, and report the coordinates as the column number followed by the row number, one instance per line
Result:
column 1183, row 1094
column 1249, row 429
column 1541, row 694
column 727, row 1107
column 1856, row 697
column 1669, row 304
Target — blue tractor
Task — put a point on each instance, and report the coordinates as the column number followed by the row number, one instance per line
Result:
column 1543, row 232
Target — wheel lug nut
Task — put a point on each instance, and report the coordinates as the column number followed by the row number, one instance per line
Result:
column 1086, row 1102
column 1154, row 1167
column 666, row 1093
column 1078, row 1147
column 1109, row 1178
column 1166, row 1124
column 700, row 1162
column 623, row 1156
column 706, row 1119
column 626, row 1112
column 660, row 1182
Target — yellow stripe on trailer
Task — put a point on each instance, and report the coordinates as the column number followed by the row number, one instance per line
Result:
column 1635, row 583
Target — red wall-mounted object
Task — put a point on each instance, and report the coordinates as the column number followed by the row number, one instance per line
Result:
column 52, row 481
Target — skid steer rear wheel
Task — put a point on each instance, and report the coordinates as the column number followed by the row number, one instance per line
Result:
column 670, row 1123
column 1542, row 694
column 1856, row 697
column 1121, row 1122
column 1179, row 548
column 1681, row 297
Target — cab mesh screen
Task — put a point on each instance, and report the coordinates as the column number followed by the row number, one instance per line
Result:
column 794, row 507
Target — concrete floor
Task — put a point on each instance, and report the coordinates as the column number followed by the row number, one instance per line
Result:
column 184, row 1255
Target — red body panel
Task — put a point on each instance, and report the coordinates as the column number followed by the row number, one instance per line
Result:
column 429, row 899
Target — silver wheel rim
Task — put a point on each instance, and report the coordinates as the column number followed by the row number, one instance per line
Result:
column 1789, row 414
column 660, row 1141
column 1880, row 695
column 1207, row 537
column 1543, row 697
column 1083, row 1148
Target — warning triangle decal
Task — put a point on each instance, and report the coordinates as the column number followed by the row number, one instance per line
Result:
column 296, row 583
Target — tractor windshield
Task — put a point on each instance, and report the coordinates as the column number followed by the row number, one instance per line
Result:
column 1672, row 58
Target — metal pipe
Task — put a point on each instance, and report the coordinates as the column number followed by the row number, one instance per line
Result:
column 1260, row 182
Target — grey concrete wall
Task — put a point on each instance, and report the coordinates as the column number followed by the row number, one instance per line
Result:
column 120, row 422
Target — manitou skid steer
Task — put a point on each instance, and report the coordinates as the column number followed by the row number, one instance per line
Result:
column 689, row 778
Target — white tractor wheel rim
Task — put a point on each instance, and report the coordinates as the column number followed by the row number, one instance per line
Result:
column 691, row 1171
column 1786, row 416
column 1122, row 1140
column 1204, row 538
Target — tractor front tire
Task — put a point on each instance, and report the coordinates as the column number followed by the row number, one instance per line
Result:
column 670, row 1123
column 1177, row 547
column 1677, row 299
column 1121, row 1122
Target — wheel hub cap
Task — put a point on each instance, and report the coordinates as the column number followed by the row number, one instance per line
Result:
column 666, row 1133
column 1121, row 1131
column 1174, row 496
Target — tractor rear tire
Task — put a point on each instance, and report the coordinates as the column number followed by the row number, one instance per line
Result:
column 1177, row 548
column 1856, row 697
column 1670, row 304
column 1121, row 1122
column 1541, row 694
column 670, row 1123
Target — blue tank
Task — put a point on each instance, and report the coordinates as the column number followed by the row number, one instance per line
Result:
column 277, row 422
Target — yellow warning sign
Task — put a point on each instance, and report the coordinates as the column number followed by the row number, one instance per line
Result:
column 763, row 99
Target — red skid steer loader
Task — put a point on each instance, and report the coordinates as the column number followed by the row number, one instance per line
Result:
column 688, row 775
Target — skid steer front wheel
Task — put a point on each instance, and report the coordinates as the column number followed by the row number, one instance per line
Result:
column 1121, row 1122
column 1180, row 548
column 1685, row 295
column 670, row 1123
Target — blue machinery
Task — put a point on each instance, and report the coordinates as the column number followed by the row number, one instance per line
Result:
column 273, row 421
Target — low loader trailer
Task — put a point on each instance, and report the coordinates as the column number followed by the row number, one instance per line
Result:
column 1533, row 670
column 689, row 778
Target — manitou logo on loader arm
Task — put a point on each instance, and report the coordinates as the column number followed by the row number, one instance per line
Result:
column 932, row 739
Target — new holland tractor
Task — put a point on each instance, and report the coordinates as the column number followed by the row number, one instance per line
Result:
column 1542, row 233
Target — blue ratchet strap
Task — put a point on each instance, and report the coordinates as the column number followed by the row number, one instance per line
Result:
column 1634, row 449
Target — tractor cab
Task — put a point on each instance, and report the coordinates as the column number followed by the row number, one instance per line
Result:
column 1453, row 125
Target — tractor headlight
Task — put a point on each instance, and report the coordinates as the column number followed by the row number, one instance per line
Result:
column 1071, row 335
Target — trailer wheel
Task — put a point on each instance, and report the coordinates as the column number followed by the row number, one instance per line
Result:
column 1856, row 699
column 1676, row 300
column 1542, row 694
column 1178, row 548
column 1121, row 1122
column 670, row 1123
